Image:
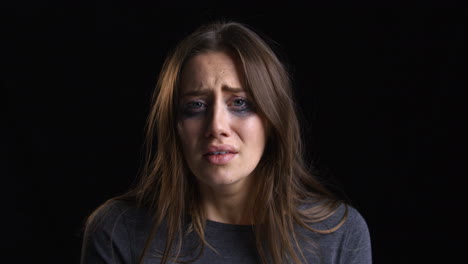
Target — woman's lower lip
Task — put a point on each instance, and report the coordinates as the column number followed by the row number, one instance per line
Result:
column 220, row 159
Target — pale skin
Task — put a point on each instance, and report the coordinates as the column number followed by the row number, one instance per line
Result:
column 215, row 110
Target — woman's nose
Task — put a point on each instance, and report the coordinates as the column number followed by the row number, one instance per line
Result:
column 218, row 122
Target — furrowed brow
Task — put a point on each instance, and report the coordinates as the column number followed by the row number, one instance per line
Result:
column 197, row 92
column 204, row 92
column 233, row 89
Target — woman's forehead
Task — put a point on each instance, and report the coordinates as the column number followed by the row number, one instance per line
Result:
column 213, row 70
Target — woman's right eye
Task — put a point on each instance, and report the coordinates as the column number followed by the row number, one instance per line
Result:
column 193, row 108
column 194, row 105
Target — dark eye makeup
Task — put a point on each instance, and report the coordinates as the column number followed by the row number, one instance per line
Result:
column 241, row 104
column 237, row 105
column 193, row 108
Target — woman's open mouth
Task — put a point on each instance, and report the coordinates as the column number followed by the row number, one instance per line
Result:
column 219, row 157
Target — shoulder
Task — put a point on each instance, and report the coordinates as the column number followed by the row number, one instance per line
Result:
column 110, row 213
column 343, row 215
column 355, row 238
column 110, row 232
column 115, row 217
column 342, row 237
column 355, row 222
column 351, row 218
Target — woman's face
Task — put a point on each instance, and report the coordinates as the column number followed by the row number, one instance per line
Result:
column 222, row 136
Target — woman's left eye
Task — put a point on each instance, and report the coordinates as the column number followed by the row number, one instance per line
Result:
column 241, row 105
column 239, row 102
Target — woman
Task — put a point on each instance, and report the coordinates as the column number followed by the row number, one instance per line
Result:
column 227, row 182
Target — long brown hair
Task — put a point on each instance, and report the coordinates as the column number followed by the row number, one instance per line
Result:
column 167, row 187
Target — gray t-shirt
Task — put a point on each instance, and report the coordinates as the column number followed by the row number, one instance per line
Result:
column 119, row 234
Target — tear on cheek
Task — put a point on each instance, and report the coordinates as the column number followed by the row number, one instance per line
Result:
column 191, row 115
column 179, row 129
column 244, row 113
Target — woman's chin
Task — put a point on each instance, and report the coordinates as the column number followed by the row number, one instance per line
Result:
column 221, row 181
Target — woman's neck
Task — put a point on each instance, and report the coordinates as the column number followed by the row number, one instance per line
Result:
column 228, row 204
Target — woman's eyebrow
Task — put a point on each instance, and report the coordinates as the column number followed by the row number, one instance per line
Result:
column 195, row 92
column 203, row 92
column 230, row 89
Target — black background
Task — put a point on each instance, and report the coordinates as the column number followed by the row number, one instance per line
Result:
column 378, row 91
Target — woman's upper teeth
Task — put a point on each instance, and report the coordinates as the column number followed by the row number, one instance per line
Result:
column 219, row 152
